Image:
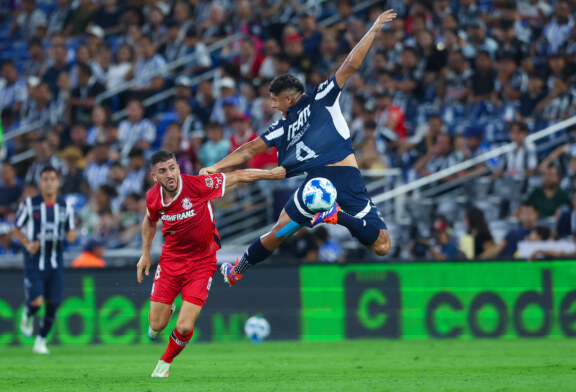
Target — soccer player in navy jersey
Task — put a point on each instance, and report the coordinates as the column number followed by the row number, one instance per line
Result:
column 313, row 137
column 44, row 222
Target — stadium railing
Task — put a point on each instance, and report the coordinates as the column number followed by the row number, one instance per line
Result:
column 470, row 163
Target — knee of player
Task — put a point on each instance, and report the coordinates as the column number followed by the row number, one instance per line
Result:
column 382, row 245
column 185, row 326
column 38, row 301
column 157, row 323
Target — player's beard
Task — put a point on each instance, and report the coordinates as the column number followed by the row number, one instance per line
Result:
column 167, row 188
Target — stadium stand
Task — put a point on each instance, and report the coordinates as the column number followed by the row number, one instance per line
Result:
column 95, row 87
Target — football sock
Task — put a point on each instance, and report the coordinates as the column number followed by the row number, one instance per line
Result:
column 176, row 344
column 255, row 253
column 32, row 310
column 49, row 316
column 365, row 232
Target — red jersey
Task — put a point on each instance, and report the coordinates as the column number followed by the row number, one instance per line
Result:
column 187, row 221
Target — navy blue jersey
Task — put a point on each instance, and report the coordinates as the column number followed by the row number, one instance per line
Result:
column 47, row 223
column 314, row 132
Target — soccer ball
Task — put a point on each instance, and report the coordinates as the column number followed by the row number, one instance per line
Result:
column 319, row 194
column 257, row 329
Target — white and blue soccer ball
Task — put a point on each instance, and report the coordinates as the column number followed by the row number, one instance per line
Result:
column 319, row 194
column 257, row 329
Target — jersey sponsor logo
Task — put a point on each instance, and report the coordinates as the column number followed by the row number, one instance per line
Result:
column 177, row 217
column 160, row 212
column 209, row 183
column 296, row 126
column 186, row 203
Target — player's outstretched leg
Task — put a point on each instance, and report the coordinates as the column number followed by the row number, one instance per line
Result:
column 152, row 334
column 179, row 338
column 45, row 327
column 260, row 249
column 255, row 254
column 27, row 320
column 368, row 234
column 28, row 314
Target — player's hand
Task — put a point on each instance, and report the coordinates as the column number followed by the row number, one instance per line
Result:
column 143, row 265
column 278, row 173
column 385, row 17
column 208, row 170
column 33, row 247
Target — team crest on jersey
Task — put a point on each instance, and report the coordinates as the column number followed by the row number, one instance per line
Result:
column 186, row 204
column 209, row 183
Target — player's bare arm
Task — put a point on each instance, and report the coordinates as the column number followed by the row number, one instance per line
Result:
column 148, row 232
column 357, row 55
column 31, row 247
column 239, row 156
column 251, row 175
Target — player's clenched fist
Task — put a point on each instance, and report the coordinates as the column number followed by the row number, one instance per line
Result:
column 205, row 171
column 143, row 266
column 385, row 17
column 278, row 173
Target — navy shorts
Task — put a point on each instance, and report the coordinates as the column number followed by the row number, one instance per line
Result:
column 352, row 196
column 48, row 283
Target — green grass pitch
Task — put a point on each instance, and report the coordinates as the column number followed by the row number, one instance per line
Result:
column 361, row 365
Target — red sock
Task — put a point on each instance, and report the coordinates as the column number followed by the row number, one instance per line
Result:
column 176, row 344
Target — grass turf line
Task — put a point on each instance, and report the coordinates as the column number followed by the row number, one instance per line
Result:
column 360, row 365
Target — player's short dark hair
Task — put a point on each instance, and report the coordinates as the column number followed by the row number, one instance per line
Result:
column 284, row 83
column 161, row 156
column 47, row 169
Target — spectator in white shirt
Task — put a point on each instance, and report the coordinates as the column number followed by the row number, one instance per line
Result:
column 136, row 131
column 28, row 19
column 148, row 64
column 13, row 93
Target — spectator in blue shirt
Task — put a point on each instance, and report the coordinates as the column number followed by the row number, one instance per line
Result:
column 216, row 148
column 446, row 248
column 507, row 247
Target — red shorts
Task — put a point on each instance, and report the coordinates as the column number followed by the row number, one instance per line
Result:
column 193, row 280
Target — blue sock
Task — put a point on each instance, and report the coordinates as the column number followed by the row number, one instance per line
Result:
column 49, row 317
column 255, row 253
column 365, row 232
column 31, row 310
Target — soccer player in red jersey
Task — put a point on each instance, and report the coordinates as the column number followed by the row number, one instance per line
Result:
column 188, row 258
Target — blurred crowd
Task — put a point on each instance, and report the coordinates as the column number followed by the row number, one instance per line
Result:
column 447, row 81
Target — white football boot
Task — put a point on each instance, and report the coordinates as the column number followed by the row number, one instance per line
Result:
column 27, row 324
column 162, row 369
column 40, row 346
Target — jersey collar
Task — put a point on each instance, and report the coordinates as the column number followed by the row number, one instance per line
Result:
column 175, row 197
column 301, row 102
